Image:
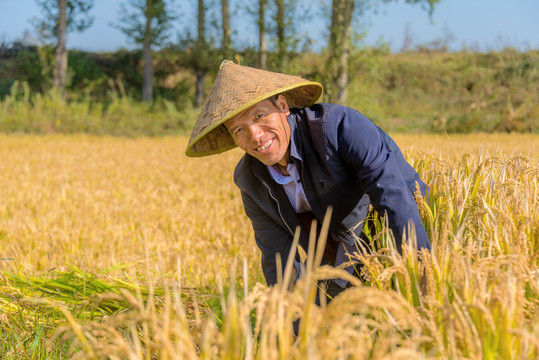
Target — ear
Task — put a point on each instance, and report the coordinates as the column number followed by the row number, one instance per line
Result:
column 282, row 104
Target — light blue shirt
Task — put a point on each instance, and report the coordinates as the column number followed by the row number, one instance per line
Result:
column 294, row 190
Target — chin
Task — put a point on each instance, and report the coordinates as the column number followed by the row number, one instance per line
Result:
column 268, row 162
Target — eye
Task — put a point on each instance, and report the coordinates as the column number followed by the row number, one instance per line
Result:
column 259, row 115
column 237, row 131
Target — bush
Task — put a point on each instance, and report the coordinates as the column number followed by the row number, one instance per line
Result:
column 45, row 114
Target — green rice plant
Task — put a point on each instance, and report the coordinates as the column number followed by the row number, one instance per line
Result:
column 34, row 307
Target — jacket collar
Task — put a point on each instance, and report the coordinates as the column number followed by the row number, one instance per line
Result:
column 259, row 169
column 295, row 137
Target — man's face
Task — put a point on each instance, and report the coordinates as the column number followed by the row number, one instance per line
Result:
column 262, row 131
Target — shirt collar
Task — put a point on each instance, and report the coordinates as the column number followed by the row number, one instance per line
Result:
column 278, row 176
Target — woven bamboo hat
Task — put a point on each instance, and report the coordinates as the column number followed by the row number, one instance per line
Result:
column 236, row 88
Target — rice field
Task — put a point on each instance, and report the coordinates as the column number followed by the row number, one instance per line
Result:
column 124, row 248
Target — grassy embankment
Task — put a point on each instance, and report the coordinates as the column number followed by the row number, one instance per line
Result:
column 124, row 248
column 456, row 92
column 415, row 91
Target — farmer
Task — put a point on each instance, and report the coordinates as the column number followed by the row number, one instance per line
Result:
column 301, row 158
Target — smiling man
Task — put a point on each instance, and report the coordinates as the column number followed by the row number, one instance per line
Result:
column 262, row 132
column 301, row 158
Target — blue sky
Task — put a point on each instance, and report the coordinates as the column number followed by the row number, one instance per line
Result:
column 477, row 24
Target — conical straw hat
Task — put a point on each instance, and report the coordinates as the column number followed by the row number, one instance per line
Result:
column 236, row 88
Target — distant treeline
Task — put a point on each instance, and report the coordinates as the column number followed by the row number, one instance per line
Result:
column 420, row 90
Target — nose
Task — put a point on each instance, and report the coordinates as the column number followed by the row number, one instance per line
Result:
column 255, row 132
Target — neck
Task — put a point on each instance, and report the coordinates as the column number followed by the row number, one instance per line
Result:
column 283, row 169
column 283, row 164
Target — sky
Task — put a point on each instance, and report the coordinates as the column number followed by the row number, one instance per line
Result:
column 473, row 24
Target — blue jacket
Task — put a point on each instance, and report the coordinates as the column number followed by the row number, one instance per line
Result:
column 344, row 161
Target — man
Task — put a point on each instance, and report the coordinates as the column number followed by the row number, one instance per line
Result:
column 302, row 158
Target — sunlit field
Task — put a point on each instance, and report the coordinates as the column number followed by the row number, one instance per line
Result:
column 126, row 248
column 100, row 201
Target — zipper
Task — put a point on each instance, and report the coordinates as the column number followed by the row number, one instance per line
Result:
column 278, row 208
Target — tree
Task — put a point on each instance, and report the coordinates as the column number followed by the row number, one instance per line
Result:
column 339, row 46
column 200, row 71
column 148, row 25
column 60, row 69
column 285, row 16
column 280, row 27
column 199, row 50
column 61, row 17
column 226, row 43
column 276, row 18
column 262, row 44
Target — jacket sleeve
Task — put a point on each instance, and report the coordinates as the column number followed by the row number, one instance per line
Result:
column 270, row 238
column 378, row 166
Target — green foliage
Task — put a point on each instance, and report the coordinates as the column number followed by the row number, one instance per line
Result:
column 455, row 92
column 28, row 65
column 149, row 19
column 428, row 4
column 48, row 113
column 93, row 76
column 421, row 90
column 84, row 73
column 76, row 15
column 35, row 306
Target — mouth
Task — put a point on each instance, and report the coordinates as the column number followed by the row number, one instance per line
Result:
column 265, row 145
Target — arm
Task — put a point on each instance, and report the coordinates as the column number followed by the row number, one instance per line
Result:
column 378, row 165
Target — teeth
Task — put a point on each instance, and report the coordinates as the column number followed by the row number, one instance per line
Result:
column 265, row 146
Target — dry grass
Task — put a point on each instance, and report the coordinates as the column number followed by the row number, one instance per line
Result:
column 142, row 210
column 452, row 145
column 101, row 199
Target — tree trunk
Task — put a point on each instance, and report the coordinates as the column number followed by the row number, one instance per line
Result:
column 262, row 49
column 227, row 43
column 201, row 39
column 60, row 68
column 147, row 83
column 200, row 81
column 281, row 37
column 342, row 79
column 200, row 70
column 339, row 49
